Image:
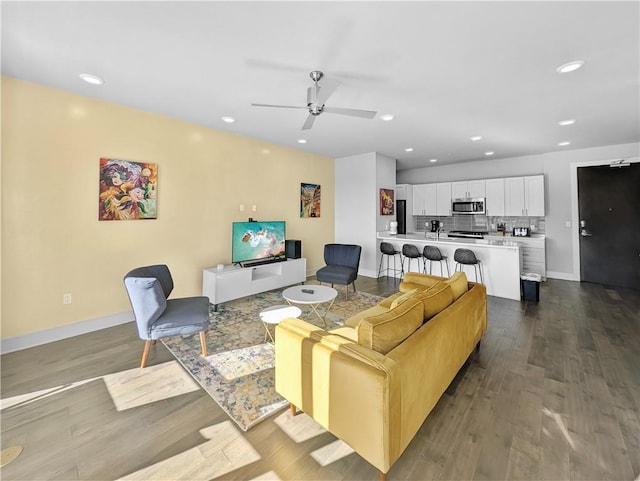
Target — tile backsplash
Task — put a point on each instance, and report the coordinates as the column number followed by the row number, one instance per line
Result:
column 477, row 223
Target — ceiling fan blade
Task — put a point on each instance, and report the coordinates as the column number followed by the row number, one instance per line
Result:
column 279, row 106
column 327, row 87
column 364, row 114
column 309, row 122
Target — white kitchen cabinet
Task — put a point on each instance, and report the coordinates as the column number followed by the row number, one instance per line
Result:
column 524, row 196
column 401, row 192
column 468, row 189
column 443, row 198
column 534, row 196
column 431, row 199
column 514, row 196
column 495, row 197
column 418, row 199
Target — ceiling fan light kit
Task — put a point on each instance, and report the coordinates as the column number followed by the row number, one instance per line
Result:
column 316, row 99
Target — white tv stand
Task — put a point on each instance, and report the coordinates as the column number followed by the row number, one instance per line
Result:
column 234, row 282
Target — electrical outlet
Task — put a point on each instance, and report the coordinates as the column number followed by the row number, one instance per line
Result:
column 241, row 207
column 254, row 208
column 66, row 299
column 567, row 224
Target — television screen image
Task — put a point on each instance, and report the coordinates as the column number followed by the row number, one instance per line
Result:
column 257, row 240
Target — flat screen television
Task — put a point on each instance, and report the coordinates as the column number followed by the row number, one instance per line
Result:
column 255, row 241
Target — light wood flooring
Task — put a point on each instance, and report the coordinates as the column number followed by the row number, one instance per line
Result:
column 553, row 394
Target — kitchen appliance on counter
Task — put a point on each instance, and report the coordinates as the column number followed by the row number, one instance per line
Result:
column 521, row 232
column 393, row 228
column 435, row 226
column 468, row 234
column 468, row 206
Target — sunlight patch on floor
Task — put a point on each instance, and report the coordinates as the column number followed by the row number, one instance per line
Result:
column 226, row 451
column 128, row 389
column 331, row 452
column 300, row 428
column 137, row 387
column 563, row 429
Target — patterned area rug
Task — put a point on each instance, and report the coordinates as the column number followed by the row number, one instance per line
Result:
column 238, row 373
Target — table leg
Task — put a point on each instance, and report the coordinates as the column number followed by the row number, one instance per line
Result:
column 268, row 333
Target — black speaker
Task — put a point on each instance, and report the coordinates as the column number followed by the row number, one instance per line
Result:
column 293, row 248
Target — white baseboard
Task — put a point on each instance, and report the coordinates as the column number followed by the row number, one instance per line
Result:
column 33, row 339
column 564, row 276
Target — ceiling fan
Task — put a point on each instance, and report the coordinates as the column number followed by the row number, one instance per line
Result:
column 316, row 98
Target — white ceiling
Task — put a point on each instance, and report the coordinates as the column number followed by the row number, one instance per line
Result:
column 446, row 70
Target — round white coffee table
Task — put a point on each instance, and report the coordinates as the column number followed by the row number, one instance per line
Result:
column 274, row 315
column 312, row 295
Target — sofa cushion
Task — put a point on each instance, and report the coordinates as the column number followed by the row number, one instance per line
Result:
column 354, row 320
column 385, row 331
column 416, row 280
column 399, row 300
column 458, row 283
column 387, row 301
column 436, row 299
column 346, row 332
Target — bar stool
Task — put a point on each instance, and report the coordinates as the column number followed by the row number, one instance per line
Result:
column 388, row 250
column 409, row 251
column 433, row 254
column 466, row 257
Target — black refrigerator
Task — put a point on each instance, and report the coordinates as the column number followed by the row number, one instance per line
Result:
column 401, row 216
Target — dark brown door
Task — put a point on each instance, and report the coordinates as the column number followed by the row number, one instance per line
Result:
column 609, row 209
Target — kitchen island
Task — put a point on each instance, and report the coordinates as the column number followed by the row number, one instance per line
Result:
column 500, row 259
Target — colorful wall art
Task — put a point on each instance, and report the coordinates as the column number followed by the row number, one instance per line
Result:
column 386, row 201
column 128, row 190
column 309, row 200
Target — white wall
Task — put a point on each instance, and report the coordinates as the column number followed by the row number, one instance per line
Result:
column 556, row 167
column 358, row 180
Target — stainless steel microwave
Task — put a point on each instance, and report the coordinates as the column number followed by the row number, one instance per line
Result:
column 468, row 206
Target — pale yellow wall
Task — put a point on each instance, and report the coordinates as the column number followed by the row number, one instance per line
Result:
column 52, row 241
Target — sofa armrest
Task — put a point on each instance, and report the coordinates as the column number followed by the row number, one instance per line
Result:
column 416, row 280
column 346, row 388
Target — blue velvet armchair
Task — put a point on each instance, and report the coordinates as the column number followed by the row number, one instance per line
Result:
column 156, row 316
column 342, row 262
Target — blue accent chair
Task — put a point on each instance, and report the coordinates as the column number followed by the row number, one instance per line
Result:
column 156, row 316
column 342, row 262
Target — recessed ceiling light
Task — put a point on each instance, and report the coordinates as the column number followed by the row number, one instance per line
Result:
column 476, row 137
column 433, row 160
column 489, row 153
column 387, row 117
column 564, row 143
column 302, row 141
column 570, row 67
column 567, row 122
column 228, row 120
column 91, row 79
column 409, row 149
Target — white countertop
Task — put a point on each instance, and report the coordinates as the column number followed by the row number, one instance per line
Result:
column 500, row 243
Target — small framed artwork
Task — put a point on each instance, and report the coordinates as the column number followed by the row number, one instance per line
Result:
column 386, row 201
column 128, row 190
column 309, row 200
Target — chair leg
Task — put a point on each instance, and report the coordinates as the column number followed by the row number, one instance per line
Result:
column 380, row 268
column 203, row 343
column 145, row 353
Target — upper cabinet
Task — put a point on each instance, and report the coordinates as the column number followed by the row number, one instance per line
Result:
column 534, row 196
column 524, row 196
column 418, row 199
column 429, row 199
column 443, row 198
column 510, row 196
column 401, row 192
column 495, row 197
column 468, row 189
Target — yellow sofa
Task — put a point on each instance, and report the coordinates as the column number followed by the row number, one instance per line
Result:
column 373, row 382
